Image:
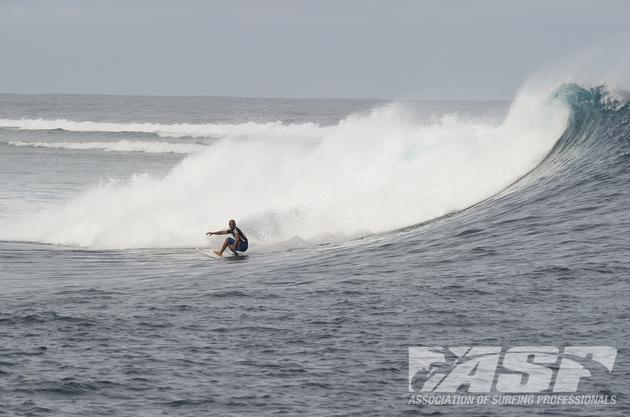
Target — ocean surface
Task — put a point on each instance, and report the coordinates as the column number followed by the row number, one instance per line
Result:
column 374, row 227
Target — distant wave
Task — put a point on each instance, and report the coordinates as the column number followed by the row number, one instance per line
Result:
column 176, row 130
column 120, row 146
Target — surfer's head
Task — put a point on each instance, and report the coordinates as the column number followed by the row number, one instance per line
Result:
column 232, row 224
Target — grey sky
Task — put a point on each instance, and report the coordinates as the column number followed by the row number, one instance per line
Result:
column 441, row 49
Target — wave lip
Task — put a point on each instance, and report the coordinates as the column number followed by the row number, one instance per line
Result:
column 175, row 130
column 119, row 146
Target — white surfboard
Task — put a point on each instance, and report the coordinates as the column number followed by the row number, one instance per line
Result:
column 210, row 254
column 207, row 252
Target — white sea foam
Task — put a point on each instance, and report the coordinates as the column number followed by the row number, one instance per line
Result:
column 370, row 173
column 175, row 130
column 119, row 146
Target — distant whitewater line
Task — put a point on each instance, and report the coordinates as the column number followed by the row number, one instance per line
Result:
column 120, row 146
column 175, row 130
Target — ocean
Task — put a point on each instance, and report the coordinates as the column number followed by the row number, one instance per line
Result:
column 374, row 226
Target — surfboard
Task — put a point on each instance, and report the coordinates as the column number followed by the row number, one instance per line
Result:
column 227, row 255
column 207, row 252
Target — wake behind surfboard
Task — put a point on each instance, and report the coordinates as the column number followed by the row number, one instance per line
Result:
column 210, row 254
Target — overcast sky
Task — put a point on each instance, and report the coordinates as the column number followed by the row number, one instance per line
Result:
column 426, row 49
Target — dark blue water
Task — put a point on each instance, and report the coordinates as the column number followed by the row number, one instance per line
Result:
column 322, row 329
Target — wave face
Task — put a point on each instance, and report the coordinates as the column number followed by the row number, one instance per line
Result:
column 367, row 174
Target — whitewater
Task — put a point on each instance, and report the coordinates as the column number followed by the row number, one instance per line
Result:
column 372, row 172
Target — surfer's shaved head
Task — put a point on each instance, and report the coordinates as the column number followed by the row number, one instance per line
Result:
column 232, row 223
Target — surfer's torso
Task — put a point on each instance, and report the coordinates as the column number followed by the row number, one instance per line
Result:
column 238, row 232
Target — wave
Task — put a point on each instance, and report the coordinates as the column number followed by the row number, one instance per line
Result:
column 175, row 130
column 368, row 174
column 119, row 146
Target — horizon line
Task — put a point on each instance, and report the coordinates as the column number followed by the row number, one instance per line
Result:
column 257, row 97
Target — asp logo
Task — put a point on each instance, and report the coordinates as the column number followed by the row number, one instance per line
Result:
column 523, row 369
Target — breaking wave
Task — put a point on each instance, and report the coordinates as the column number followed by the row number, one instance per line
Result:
column 369, row 173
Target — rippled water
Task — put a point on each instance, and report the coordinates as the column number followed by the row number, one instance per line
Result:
column 321, row 329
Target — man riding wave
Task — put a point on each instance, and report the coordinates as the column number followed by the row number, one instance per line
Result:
column 237, row 243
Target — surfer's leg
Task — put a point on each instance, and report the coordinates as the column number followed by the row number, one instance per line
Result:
column 232, row 246
column 227, row 242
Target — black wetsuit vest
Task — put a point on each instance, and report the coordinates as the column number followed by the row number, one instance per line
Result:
column 238, row 231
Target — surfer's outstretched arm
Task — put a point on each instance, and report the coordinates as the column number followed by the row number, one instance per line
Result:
column 220, row 232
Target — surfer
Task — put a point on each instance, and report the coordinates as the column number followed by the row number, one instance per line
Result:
column 237, row 243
